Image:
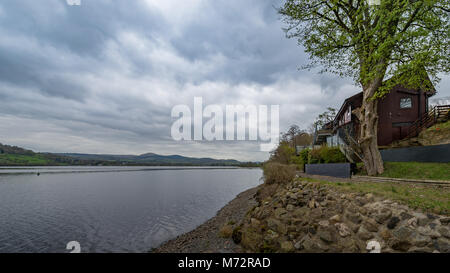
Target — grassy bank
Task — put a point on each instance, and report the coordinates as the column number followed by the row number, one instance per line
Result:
column 24, row 160
column 415, row 170
column 431, row 199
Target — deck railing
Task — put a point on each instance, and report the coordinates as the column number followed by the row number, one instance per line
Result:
column 428, row 119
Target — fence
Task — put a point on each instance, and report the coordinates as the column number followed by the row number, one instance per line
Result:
column 435, row 153
column 342, row 170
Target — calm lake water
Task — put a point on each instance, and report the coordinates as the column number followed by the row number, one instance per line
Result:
column 110, row 209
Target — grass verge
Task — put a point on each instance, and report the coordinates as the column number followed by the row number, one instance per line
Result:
column 415, row 170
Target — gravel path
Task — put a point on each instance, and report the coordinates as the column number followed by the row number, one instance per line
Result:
column 205, row 238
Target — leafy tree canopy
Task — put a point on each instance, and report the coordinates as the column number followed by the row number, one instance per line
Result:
column 405, row 40
column 325, row 117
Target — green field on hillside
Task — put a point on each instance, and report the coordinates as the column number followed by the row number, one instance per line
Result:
column 24, row 160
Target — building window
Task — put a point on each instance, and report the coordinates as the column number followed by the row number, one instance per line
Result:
column 348, row 114
column 405, row 103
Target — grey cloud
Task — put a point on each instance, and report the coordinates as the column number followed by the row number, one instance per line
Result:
column 255, row 47
column 81, row 29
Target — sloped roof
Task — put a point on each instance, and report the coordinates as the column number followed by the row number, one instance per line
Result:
column 358, row 96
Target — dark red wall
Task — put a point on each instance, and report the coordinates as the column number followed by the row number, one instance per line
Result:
column 394, row 122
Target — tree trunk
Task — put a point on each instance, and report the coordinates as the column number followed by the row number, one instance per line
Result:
column 368, row 131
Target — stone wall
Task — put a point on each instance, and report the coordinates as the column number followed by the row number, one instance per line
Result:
column 310, row 217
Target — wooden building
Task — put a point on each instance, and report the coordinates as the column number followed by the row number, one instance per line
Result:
column 397, row 112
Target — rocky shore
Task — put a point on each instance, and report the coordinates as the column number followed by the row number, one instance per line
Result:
column 214, row 235
column 310, row 217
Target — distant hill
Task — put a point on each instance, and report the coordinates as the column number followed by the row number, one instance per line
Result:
column 6, row 149
column 16, row 156
column 154, row 159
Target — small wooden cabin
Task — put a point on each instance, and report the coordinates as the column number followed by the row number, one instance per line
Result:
column 397, row 112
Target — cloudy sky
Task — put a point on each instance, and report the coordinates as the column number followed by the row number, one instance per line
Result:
column 103, row 77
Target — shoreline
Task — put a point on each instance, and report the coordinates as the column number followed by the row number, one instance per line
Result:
column 205, row 238
column 318, row 217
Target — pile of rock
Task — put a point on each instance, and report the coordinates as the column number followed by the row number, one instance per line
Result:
column 311, row 217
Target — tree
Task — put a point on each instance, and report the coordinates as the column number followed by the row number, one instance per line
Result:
column 303, row 139
column 325, row 117
column 406, row 40
column 283, row 154
column 290, row 135
column 295, row 136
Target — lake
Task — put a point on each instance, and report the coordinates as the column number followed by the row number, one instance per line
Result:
column 110, row 209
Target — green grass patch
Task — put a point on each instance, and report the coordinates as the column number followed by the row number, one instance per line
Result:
column 414, row 170
column 24, row 160
column 431, row 199
column 443, row 125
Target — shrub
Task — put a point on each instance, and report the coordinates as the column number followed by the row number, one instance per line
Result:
column 304, row 154
column 314, row 156
column 282, row 154
column 324, row 154
column 237, row 235
column 226, row 231
column 331, row 155
column 276, row 173
column 298, row 162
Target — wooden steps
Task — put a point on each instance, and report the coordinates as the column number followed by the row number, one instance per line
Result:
column 439, row 113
